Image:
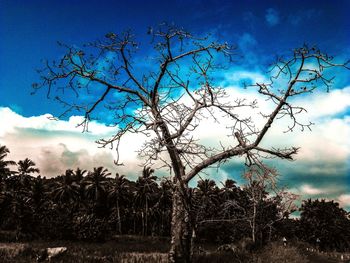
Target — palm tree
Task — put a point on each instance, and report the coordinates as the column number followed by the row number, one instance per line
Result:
column 78, row 175
column 4, row 170
column 96, row 186
column 229, row 189
column 206, row 191
column 65, row 189
column 206, row 197
column 25, row 168
column 117, row 193
column 232, row 198
column 21, row 211
column 38, row 191
column 163, row 206
column 38, row 201
column 145, row 188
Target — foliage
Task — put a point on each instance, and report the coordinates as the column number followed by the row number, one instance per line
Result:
column 4, row 169
column 90, row 228
column 326, row 221
column 93, row 206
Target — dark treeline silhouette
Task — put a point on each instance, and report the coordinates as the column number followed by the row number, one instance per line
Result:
column 95, row 205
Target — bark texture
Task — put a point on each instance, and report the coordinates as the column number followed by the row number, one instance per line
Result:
column 180, row 250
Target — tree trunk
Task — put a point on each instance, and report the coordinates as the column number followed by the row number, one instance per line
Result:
column 180, row 250
column 119, row 219
column 254, row 223
column 146, row 218
column 143, row 223
column 134, row 213
column 270, row 233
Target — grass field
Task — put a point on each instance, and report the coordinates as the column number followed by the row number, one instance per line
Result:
column 130, row 249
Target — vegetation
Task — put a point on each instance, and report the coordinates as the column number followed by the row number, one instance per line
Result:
column 96, row 206
column 150, row 250
column 324, row 220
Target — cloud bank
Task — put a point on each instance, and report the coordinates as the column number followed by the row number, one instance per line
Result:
column 58, row 145
column 321, row 169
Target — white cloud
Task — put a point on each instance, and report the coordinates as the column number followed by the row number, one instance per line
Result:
column 326, row 192
column 58, row 145
column 243, row 75
column 323, row 104
column 328, row 142
column 344, row 200
column 310, row 190
column 45, row 122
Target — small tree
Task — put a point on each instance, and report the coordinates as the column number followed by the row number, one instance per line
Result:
column 145, row 189
column 25, row 168
column 265, row 211
column 326, row 221
column 168, row 98
column 117, row 194
column 4, row 170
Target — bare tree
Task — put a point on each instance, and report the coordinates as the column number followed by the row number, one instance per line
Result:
column 167, row 99
column 261, row 182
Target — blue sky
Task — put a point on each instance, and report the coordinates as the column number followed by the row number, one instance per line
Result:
column 29, row 31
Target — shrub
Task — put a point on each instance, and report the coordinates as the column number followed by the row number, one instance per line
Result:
column 90, row 228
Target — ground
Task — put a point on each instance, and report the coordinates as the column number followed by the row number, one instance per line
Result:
column 131, row 249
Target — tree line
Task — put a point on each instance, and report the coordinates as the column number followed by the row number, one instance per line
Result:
column 94, row 205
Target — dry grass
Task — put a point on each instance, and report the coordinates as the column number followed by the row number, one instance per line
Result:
column 144, row 258
column 219, row 257
column 277, row 253
column 145, row 250
column 130, row 249
column 9, row 251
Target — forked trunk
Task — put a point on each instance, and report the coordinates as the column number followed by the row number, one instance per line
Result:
column 180, row 247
